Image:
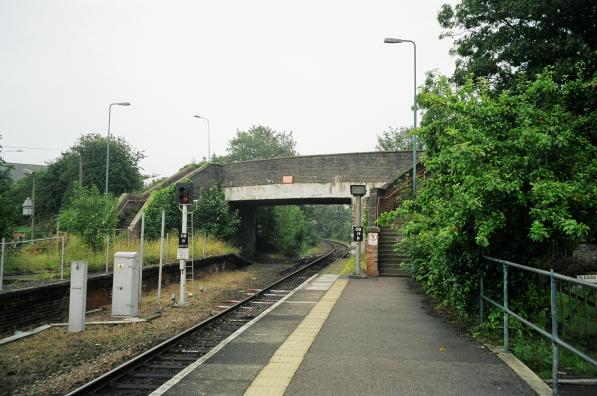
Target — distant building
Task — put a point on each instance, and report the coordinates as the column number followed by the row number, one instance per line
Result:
column 17, row 171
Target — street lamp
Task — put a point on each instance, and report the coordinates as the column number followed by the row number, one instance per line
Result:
column 399, row 41
column 208, row 138
column 108, row 143
column 32, row 173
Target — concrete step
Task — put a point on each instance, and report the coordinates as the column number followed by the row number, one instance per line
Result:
column 390, row 266
column 392, row 256
column 399, row 274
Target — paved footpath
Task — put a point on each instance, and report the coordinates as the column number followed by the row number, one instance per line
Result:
column 350, row 337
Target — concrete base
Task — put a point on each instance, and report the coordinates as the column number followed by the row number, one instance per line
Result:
column 357, row 276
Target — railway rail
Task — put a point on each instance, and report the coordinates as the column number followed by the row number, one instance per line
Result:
column 149, row 370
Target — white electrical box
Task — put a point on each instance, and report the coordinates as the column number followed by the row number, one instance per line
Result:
column 78, row 296
column 125, row 285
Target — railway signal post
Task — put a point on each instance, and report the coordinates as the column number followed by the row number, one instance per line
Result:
column 183, row 192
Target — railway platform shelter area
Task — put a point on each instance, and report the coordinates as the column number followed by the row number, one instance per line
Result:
column 340, row 336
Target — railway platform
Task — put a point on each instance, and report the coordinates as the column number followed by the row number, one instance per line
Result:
column 338, row 336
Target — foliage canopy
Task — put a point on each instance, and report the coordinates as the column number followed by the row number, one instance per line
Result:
column 90, row 214
column 259, row 142
column 502, row 39
column 511, row 175
column 8, row 208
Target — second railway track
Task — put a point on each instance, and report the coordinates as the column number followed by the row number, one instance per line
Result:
column 149, row 370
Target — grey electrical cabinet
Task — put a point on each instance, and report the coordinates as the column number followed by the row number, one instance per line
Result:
column 78, row 296
column 125, row 285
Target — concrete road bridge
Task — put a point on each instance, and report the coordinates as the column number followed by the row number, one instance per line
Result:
column 313, row 179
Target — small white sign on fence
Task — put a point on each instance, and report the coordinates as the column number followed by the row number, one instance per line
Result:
column 588, row 278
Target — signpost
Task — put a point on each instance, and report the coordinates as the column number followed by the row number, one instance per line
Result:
column 358, row 190
column 183, row 192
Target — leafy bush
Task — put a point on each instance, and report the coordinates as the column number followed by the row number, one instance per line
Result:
column 212, row 214
column 282, row 229
column 511, row 175
column 163, row 199
column 89, row 214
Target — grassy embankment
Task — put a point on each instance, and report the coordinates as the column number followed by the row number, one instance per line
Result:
column 43, row 258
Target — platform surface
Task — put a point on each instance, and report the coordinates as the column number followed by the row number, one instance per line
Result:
column 360, row 337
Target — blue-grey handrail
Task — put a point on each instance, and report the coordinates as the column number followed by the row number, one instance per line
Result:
column 553, row 336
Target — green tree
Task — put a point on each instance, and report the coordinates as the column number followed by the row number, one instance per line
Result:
column 89, row 214
column 8, row 209
column 259, row 142
column 511, row 175
column 54, row 183
column 213, row 214
column 328, row 221
column 394, row 139
column 282, row 229
column 163, row 199
column 499, row 39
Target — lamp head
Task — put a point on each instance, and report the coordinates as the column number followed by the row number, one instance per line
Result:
column 390, row 40
column 121, row 104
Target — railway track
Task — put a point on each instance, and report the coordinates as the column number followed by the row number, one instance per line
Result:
column 146, row 372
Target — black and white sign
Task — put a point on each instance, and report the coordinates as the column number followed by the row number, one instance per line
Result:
column 357, row 234
column 183, row 240
column 588, row 278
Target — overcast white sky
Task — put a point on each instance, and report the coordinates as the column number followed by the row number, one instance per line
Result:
column 317, row 68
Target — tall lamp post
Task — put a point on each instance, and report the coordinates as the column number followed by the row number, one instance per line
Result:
column 399, row 41
column 108, row 143
column 32, row 173
column 208, row 137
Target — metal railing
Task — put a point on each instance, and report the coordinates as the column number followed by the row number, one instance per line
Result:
column 556, row 341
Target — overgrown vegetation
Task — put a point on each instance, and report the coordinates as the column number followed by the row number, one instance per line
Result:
column 8, row 207
column 212, row 213
column 510, row 175
column 90, row 215
column 511, row 155
column 54, row 184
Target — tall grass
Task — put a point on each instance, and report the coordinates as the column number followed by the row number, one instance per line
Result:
column 44, row 258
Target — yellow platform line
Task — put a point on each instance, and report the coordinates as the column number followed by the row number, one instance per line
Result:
column 274, row 378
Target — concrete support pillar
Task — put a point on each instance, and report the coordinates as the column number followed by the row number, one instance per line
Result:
column 247, row 231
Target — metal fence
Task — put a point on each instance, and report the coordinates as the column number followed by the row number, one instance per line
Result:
column 55, row 246
column 33, row 260
column 569, row 297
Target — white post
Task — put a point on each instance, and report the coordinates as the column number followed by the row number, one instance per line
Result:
column 62, row 260
column 183, row 268
column 57, row 232
column 2, row 264
column 142, row 255
column 78, row 296
column 204, row 241
column 192, row 238
column 107, row 251
column 167, row 245
column 161, row 256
